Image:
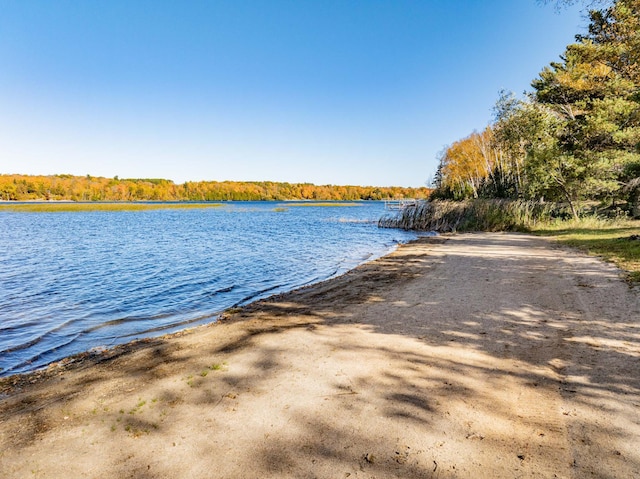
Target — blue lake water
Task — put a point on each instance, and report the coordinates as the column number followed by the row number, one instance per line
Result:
column 70, row 282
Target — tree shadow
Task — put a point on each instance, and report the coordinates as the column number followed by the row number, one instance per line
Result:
column 408, row 379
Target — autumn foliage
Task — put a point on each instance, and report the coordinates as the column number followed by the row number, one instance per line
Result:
column 468, row 163
column 575, row 137
column 90, row 188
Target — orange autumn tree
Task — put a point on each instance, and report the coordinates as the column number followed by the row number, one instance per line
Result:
column 466, row 164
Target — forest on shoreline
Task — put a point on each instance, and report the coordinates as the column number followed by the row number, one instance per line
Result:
column 92, row 188
column 575, row 137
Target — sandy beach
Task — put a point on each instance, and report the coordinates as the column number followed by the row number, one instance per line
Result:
column 477, row 355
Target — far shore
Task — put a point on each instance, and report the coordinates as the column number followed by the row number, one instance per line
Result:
column 72, row 206
column 472, row 355
column 46, row 206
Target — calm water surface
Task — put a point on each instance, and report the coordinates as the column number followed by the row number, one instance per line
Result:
column 70, row 282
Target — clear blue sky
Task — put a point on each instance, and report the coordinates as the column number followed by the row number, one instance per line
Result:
column 363, row 92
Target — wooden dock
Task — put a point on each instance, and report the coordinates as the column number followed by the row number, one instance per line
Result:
column 399, row 204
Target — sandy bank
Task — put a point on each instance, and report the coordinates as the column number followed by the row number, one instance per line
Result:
column 483, row 355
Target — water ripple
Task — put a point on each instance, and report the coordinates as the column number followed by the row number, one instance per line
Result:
column 70, row 282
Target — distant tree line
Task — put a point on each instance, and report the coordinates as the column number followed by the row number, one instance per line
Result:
column 91, row 188
column 575, row 137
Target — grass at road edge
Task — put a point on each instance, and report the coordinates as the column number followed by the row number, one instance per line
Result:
column 617, row 241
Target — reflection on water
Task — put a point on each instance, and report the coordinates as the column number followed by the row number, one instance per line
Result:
column 70, row 282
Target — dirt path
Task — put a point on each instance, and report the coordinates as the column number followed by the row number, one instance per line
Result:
column 483, row 355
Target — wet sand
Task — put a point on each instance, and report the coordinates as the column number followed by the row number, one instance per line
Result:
column 476, row 355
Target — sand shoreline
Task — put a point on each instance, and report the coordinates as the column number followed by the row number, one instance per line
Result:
column 101, row 353
column 480, row 355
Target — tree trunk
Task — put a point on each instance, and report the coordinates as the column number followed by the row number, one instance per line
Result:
column 634, row 201
column 572, row 206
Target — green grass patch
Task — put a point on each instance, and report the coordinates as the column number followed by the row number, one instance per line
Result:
column 59, row 207
column 217, row 366
column 617, row 241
